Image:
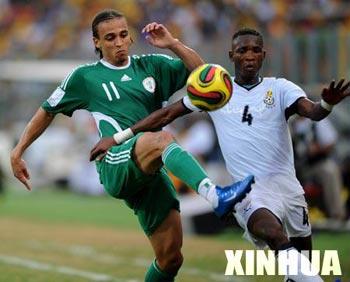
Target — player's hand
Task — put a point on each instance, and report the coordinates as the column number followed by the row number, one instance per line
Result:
column 335, row 93
column 158, row 35
column 20, row 171
column 101, row 148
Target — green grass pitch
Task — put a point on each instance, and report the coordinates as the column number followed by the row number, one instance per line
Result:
column 54, row 236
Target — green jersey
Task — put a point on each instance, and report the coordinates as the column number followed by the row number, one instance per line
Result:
column 118, row 97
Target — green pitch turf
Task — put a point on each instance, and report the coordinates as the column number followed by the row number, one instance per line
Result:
column 50, row 235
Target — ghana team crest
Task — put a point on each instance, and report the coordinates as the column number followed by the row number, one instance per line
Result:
column 269, row 100
column 149, row 84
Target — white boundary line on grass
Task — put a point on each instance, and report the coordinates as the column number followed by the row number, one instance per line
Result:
column 92, row 254
column 32, row 264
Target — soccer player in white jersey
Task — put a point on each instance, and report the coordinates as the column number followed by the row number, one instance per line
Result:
column 254, row 138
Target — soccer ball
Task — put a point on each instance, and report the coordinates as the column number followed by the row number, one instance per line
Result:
column 209, row 87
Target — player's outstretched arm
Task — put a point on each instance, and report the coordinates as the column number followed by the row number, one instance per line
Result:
column 154, row 121
column 331, row 96
column 37, row 125
column 159, row 36
column 161, row 117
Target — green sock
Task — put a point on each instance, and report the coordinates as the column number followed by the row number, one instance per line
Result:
column 183, row 165
column 154, row 274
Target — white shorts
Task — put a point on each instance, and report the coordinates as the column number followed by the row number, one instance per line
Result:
column 284, row 197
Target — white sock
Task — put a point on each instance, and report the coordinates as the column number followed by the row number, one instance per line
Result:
column 300, row 260
column 207, row 190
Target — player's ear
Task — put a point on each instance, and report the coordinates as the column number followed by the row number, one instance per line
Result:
column 96, row 42
column 264, row 54
column 230, row 54
column 131, row 40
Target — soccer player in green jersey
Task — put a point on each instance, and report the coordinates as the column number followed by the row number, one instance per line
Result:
column 118, row 91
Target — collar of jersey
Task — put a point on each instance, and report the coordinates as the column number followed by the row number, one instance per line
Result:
column 249, row 87
column 113, row 67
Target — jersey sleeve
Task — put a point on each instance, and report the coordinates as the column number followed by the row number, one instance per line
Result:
column 290, row 92
column 171, row 75
column 69, row 96
column 188, row 104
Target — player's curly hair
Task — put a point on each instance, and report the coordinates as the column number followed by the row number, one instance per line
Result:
column 100, row 17
column 248, row 31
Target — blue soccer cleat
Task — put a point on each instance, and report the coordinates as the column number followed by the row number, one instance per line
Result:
column 229, row 196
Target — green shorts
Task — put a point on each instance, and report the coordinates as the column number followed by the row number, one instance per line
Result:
column 150, row 196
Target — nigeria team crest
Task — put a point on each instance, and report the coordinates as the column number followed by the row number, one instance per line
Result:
column 149, row 84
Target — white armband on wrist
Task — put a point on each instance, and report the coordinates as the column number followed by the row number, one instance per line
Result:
column 188, row 104
column 122, row 136
column 326, row 106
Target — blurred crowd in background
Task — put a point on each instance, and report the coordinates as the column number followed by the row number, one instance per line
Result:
column 61, row 28
column 308, row 42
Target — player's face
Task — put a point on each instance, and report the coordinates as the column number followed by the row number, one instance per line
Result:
column 247, row 54
column 114, row 41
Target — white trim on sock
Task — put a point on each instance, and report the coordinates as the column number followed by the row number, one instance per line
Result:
column 208, row 191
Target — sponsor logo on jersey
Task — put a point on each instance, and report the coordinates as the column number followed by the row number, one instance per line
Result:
column 149, row 84
column 269, row 100
column 257, row 110
column 125, row 78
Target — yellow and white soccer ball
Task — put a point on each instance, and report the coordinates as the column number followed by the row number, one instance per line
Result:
column 209, row 87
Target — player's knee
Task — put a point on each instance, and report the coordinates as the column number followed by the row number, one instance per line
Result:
column 272, row 234
column 159, row 139
column 163, row 139
column 275, row 237
column 174, row 262
column 171, row 262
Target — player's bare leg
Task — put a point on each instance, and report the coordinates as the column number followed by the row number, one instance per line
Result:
column 166, row 242
column 302, row 244
column 264, row 225
column 153, row 149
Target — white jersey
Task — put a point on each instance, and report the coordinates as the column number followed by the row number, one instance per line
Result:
column 252, row 129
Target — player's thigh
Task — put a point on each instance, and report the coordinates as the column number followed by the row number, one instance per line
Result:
column 149, row 148
column 258, row 211
column 263, row 221
column 119, row 173
column 154, row 201
column 259, row 206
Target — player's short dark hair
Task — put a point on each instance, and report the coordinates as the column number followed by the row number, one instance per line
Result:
column 248, row 31
column 100, row 17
